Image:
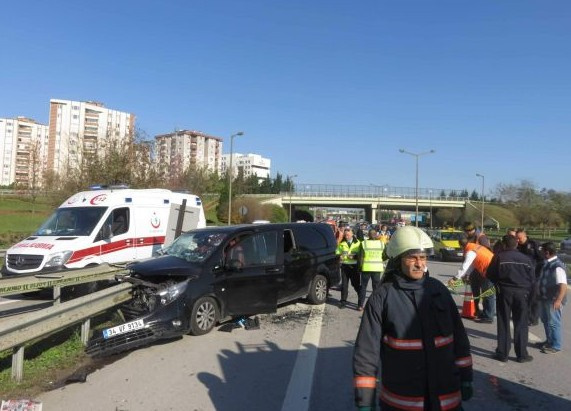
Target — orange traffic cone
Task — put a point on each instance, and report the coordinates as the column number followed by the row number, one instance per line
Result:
column 468, row 308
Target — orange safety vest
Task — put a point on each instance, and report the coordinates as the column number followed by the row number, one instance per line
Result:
column 483, row 257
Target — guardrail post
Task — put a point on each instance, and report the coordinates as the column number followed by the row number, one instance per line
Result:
column 85, row 327
column 57, row 294
column 18, row 363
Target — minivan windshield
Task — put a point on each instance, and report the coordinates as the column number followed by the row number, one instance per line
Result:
column 72, row 221
column 195, row 246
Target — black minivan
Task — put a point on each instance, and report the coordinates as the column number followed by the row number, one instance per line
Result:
column 215, row 273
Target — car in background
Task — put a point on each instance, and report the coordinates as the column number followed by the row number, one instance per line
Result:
column 565, row 246
column 216, row 273
column 446, row 244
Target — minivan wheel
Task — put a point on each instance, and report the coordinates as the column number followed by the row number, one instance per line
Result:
column 204, row 316
column 318, row 290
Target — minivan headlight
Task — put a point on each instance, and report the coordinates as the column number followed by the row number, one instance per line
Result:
column 172, row 292
column 58, row 259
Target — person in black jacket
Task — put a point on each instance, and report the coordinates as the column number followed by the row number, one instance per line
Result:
column 412, row 332
column 513, row 275
column 530, row 248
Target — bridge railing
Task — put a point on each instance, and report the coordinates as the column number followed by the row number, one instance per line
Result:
column 373, row 192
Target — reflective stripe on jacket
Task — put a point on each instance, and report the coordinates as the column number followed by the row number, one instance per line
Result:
column 483, row 257
column 349, row 253
column 373, row 256
column 417, row 340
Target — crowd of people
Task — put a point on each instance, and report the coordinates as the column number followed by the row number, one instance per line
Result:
column 411, row 332
column 529, row 283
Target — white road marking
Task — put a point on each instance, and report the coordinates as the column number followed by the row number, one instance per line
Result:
column 532, row 338
column 298, row 392
column 5, row 301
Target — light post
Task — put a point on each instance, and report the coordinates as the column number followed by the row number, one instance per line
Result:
column 430, row 195
column 290, row 179
column 239, row 133
column 483, row 178
column 416, row 155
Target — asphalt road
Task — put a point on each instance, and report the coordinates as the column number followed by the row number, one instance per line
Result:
column 299, row 359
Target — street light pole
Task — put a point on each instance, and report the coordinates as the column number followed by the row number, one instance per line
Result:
column 483, row 178
column 416, row 155
column 229, row 171
column 430, row 194
column 290, row 179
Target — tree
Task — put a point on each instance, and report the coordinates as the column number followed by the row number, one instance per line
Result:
column 474, row 196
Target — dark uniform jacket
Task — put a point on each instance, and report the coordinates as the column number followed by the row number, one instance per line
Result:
column 533, row 251
column 412, row 331
column 512, row 269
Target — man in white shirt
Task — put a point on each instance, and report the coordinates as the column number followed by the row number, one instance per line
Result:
column 552, row 295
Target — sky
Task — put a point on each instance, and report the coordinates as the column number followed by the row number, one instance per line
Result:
column 328, row 90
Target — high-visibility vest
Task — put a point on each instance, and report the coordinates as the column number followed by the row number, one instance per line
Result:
column 373, row 256
column 483, row 257
column 349, row 253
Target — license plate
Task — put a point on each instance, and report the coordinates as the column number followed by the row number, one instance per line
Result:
column 459, row 254
column 123, row 328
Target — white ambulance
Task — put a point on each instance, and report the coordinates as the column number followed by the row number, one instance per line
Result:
column 105, row 226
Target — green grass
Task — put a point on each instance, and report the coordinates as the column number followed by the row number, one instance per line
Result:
column 51, row 360
column 20, row 218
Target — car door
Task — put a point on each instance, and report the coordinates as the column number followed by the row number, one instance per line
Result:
column 253, row 274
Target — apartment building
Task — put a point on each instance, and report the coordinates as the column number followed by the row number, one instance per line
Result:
column 23, row 151
column 79, row 128
column 250, row 164
column 183, row 148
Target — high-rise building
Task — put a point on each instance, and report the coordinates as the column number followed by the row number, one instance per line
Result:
column 23, row 149
column 250, row 164
column 79, row 128
column 180, row 149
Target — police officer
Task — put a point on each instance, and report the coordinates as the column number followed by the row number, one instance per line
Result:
column 349, row 249
column 411, row 330
column 513, row 274
column 372, row 265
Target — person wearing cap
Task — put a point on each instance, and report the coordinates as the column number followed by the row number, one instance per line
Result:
column 349, row 249
column 412, row 332
column 371, row 264
column 476, row 236
column 477, row 258
column 477, row 282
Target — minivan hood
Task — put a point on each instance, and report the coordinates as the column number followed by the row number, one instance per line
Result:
column 165, row 265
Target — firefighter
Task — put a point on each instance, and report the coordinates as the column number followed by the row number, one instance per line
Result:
column 412, row 332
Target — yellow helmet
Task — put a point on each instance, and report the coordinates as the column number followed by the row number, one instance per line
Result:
column 406, row 239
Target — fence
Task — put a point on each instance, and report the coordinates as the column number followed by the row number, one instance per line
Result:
column 18, row 330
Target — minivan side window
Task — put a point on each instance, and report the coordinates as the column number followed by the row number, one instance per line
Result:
column 308, row 238
column 255, row 249
column 289, row 243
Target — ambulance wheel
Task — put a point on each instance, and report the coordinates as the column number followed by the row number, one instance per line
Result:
column 204, row 316
column 442, row 256
column 318, row 290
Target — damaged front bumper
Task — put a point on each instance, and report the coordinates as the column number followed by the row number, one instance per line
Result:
column 158, row 310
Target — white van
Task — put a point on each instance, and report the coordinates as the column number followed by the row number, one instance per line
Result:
column 105, row 226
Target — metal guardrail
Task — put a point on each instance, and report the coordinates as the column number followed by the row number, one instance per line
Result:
column 18, row 330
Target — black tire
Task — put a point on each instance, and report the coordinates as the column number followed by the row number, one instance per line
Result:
column 318, row 290
column 204, row 316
